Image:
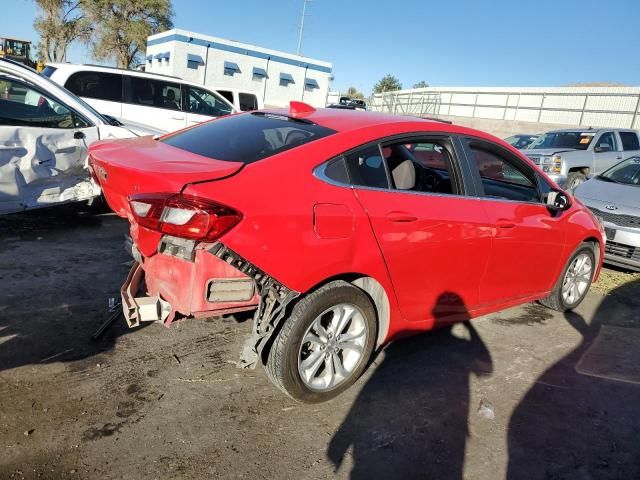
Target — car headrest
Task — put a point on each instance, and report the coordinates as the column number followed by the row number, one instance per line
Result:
column 404, row 175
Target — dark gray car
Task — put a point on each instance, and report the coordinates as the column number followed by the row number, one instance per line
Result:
column 614, row 196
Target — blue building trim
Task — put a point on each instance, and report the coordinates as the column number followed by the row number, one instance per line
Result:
column 176, row 37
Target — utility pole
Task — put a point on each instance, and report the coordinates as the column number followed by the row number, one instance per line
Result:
column 304, row 10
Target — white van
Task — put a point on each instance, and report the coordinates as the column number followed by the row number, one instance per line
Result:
column 242, row 100
column 164, row 102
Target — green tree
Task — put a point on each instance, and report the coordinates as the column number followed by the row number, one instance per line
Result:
column 421, row 84
column 353, row 92
column 121, row 27
column 388, row 83
column 59, row 23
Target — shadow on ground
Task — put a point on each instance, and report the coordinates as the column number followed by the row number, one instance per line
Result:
column 410, row 419
column 571, row 425
column 58, row 268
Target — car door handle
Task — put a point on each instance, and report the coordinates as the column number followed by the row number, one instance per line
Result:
column 505, row 224
column 175, row 117
column 619, row 157
column 401, row 217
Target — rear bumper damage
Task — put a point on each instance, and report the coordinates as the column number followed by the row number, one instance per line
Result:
column 147, row 296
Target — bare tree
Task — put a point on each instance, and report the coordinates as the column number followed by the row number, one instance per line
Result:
column 121, row 27
column 59, row 23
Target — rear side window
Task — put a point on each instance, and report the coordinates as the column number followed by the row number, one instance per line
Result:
column 248, row 101
column 155, row 93
column 247, row 138
column 367, row 168
column 48, row 71
column 629, row 140
column 98, row 85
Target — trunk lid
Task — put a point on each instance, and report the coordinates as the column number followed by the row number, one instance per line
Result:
column 144, row 165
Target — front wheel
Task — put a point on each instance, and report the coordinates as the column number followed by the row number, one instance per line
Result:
column 574, row 282
column 574, row 179
column 325, row 345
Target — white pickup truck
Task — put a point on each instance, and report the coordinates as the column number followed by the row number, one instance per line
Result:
column 569, row 156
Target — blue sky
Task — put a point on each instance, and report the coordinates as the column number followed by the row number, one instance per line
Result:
column 450, row 43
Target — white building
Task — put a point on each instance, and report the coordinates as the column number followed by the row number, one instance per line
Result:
column 275, row 76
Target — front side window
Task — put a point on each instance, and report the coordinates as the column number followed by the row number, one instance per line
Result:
column 501, row 177
column 204, row 102
column 420, row 166
column 248, row 101
column 25, row 107
column 246, row 138
column 155, row 93
column 228, row 96
column 607, row 141
column 629, row 141
column 98, row 85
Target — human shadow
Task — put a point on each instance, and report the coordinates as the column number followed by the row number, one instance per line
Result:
column 576, row 425
column 410, row 418
column 58, row 269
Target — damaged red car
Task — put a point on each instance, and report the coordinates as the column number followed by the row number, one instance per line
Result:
column 343, row 229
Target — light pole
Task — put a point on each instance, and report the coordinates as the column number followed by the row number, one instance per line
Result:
column 304, row 10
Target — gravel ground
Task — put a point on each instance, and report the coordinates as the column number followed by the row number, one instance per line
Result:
column 499, row 399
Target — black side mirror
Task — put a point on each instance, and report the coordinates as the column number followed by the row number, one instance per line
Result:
column 603, row 147
column 558, row 201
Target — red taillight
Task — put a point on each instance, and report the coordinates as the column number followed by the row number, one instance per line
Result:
column 183, row 216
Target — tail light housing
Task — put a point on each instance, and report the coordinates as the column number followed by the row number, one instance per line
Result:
column 184, row 216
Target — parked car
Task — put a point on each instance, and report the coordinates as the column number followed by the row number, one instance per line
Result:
column 340, row 236
column 614, row 195
column 45, row 132
column 164, row 102
column 347, row 103
column 521, row 140
column 243, row 101
column 570, row 156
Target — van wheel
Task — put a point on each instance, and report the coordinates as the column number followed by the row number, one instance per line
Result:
column 574, row 282
column 574, row 179
column 325, row 345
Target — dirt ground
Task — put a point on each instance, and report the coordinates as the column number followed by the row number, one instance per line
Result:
column 520, row 394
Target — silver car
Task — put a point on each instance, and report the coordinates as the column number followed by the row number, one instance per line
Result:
column 614, row 196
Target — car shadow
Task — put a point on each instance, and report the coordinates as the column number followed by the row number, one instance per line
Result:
column 59, row 268
column 576, row 425
column 410, row 418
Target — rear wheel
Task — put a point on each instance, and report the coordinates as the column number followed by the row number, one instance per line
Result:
column 574, row 282
column 325, row 345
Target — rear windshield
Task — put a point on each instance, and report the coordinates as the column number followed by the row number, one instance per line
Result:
column 247, row 138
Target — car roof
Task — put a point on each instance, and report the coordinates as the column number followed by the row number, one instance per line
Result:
column 344, row 120
column 73, row 67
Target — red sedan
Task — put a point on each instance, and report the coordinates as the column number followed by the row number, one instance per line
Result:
column 345, row 229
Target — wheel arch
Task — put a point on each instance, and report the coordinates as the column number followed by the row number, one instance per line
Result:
column 376, row 293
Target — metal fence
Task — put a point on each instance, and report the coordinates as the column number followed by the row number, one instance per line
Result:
column 587, row 106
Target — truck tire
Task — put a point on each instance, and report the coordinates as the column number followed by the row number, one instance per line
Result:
column 325, row 345
column 574, row 179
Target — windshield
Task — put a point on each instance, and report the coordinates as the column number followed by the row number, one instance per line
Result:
column 573, row 140
column 520, row 141
column 246, row 137
column 626, row 172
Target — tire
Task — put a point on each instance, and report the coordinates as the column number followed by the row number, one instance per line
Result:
column 574, row 179
column 291, row 351
column 558, row 300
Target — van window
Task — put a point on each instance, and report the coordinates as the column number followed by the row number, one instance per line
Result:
column 98, row 85
column 248, row 101
column 227, row 95
column 203, row 102
column 155, row 93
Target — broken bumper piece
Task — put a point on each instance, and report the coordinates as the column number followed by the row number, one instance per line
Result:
column 141, row 309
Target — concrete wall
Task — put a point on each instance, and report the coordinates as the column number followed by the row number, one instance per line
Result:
column 311, row 77
column 503, row 128
column 566, row 106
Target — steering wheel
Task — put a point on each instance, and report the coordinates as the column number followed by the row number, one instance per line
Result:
column 431, row 180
